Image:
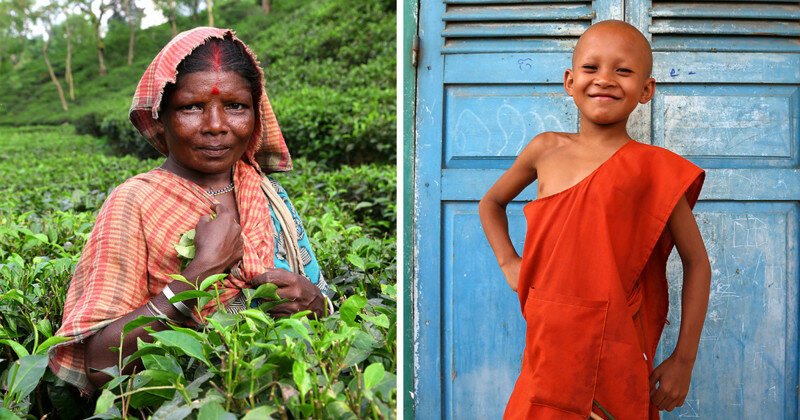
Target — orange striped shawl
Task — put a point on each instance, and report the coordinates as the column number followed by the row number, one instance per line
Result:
column 130, row 254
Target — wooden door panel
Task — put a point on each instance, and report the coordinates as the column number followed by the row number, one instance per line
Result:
column 482, row 349
column 484, row 124
column 747, row 360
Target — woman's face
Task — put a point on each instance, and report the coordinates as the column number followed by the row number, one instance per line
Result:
column 208, row 122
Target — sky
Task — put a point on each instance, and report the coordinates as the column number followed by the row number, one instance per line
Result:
column 152, row 17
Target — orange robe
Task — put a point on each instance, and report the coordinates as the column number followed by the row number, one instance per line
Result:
column 593, row 286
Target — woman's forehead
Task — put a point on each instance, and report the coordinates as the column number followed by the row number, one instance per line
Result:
column 207, row 81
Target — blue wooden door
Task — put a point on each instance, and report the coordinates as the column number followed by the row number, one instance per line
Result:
column 489, row 79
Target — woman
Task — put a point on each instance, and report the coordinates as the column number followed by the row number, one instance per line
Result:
column 203, row 105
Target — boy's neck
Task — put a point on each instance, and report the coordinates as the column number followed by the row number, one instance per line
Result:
column 603, row 135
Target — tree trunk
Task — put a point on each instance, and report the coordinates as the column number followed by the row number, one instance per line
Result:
column 210, row 7
column 131, row 25
column 68, row 65
column 173, row 18
column 100, row 49
column 54, row 78
column 266, row 6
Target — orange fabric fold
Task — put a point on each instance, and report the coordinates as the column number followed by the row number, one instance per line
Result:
column 593, row 286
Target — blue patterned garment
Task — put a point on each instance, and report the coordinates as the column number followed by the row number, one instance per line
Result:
column 310, row 264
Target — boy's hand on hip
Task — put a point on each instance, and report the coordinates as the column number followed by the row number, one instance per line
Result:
column 511, row 272
column 673, row 376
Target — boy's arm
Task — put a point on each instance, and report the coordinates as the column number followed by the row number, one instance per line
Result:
column 674, row 374
column 492, row 209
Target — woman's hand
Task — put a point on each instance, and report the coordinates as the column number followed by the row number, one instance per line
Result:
column 218, row 243
column 673, row 376
column 511, row 272
column 299, row 290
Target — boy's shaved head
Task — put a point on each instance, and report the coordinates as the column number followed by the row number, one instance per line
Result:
column 618, row 28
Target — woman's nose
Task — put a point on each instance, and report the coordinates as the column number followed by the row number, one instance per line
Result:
column 215, row 120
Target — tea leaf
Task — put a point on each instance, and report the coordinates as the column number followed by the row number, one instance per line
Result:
column 380, row 320
column 180, row 278
column 256, row 314
column 259, row 413
column 266, row 291
column 6, row 414
column 138, row 322
column 373, row 375
column 189, row 294
column 351, row 307
column 46, row 344
column 213, row 411
column 115, row 382
column 26, row 373
column 185, row 251
column 19, row 349
column 297, row 326
column 159, row 362
column 183, row 342
column 301, row 376
column 340, row 410
column 357, row 261
column 211, row 280
column 105, row 402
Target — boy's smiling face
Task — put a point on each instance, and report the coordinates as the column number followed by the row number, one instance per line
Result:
column 610, row 73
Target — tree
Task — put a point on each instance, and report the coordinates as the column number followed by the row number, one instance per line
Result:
column 96, row 19
column 210, row 7
column 45, row 15
column 266, row 6
column 170, row 10
column 133, row 15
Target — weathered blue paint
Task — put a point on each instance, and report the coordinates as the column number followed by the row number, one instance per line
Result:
column 490, row 81
column 518, row 12
column 725, row 10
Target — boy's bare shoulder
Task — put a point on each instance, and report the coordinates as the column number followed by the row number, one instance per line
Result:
column 545, row 144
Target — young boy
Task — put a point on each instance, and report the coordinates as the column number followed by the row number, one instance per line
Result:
column 591, row 280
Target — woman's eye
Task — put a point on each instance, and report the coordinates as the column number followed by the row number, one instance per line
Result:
column 236, row 106
column 190, row 107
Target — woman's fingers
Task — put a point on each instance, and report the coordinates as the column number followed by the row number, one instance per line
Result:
column 301, row 293
column 280, row 278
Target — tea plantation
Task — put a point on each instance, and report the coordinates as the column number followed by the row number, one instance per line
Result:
column 248, row 365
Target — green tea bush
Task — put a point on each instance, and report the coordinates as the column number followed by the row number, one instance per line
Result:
column 249, row 364
column 332, row 86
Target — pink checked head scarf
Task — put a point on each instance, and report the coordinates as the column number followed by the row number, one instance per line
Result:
column 267, row 148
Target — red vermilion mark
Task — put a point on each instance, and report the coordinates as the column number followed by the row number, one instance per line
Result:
column 216, row 54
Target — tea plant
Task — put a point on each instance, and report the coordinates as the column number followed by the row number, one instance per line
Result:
column 247, row 364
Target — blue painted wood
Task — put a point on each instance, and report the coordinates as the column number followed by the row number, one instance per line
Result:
column 747, row 365
column 505, row 117
column 482, row 344
column 427, row 295
column 729, row 103
column 726, row 27
column 726, row 10
column 527, row 45
column 725, row 44
column 519, row 12
column 514, row 29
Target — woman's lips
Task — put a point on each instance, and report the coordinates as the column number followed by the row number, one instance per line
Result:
column 214, row 151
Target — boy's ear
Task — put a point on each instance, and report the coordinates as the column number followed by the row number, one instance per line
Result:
column 648, row 91
column 568, row 81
